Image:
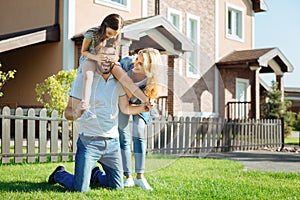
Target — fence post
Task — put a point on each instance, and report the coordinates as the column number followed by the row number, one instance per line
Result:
column 282, row 133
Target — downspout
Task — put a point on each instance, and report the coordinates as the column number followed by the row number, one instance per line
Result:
column 157, row 3
column 56, row 12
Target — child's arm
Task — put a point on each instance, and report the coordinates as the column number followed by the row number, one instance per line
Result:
column 88, row 70
column 85, row 51
column 127, row 82
column 131, row 109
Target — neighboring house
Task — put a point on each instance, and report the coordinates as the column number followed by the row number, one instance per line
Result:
column 293, row 94
column 210, row 66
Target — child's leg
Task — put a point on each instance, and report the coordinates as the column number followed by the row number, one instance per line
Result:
column 88, row 70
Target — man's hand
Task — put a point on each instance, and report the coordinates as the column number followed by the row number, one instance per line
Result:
column 74, row 109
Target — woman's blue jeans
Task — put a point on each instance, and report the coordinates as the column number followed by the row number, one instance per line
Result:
column 89, row 151
column 139, row 143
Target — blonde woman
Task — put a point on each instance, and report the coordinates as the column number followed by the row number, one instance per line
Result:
column 142, row 71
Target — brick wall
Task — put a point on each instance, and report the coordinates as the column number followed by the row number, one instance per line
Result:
column 205, row 10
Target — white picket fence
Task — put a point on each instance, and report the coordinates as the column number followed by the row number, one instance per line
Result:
column 29, row 136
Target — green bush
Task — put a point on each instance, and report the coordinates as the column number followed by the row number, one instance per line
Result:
column 53, row 93
column 4, row 77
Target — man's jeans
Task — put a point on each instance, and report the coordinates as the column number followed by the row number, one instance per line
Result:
column 139, row 143
column 89, row 151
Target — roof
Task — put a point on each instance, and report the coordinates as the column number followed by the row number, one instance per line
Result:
column 259, row 6
column 243, row 56
column 270, row 59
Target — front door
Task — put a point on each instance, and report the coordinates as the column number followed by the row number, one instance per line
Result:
column 242, row 97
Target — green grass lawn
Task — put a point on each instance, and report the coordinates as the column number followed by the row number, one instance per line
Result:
column 291, row 141
column 171, row 178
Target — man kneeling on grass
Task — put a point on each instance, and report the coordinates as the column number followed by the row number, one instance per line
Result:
column 98, row 137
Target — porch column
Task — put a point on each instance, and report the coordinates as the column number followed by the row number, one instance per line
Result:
column 171, row 85
column 279, row 80
column 124, row 50
column 255, row 93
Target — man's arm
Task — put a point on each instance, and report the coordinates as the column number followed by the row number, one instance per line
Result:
column 128, row 109
column 74, row 109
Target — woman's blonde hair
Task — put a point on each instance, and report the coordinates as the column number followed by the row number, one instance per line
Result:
column 152, row 60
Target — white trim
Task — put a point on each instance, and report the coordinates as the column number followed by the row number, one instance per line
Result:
column 163, row 41
column 115, row 5
column 22, row 41
column 144, row 8
column 136, row 30
column 179, row 14
column 69, row 30
column 216, row 96
column 216, row 79
column 253, row 30
column 196, row 46
column 239, row 9
column 217, row 30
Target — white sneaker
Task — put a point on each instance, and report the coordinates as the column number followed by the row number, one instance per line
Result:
column 143, row 184
column 129, row 182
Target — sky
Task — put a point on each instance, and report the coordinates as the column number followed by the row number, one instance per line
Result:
column 280, row 27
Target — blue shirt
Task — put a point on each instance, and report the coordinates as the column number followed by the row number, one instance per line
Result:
column 127, row 65
column 104, row 103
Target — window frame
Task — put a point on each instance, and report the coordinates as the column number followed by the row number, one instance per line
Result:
column 196, row 44
column 235, row 10
column 179, row 14
column 120, row 6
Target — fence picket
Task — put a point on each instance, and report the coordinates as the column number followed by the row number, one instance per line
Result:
column 43, row 135
column 6, row 134
column 54, row 136
column 31, row 136
column 187, row 133
column 175, row 136
column 19, row 136
column 169, row 135
column 75, row 134
column 65, row 140
column 181, row 141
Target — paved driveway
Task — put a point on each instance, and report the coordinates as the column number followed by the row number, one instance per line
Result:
column 263, row 160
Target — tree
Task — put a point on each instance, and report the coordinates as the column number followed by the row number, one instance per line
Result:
column 53, row 93
column 275, row 108
column 4, row 77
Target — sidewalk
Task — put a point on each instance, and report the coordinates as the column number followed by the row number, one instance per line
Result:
column 263, row 160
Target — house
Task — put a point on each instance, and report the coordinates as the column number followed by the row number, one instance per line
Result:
column 210, row 66
column 293, row 94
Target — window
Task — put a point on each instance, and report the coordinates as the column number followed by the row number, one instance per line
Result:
column 175, row 17
column 118, row 4
column 234, row 22
column 193, row 32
